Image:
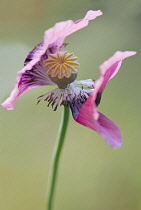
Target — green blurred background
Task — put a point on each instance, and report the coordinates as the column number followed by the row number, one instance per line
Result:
column 92, row 175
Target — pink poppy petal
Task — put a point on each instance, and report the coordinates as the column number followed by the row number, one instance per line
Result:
column 110, row 67
column 108, row 70
column 109, row 131
column 30, row 76
column 25, row 82
column 88, row 114
column 65, row 28
column 89, row 117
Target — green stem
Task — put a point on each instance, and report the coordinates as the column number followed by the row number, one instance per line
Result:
column 56, row 157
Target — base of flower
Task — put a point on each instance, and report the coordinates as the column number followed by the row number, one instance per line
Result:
column 72, row 95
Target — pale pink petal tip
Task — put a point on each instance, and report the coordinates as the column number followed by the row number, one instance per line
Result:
column 9, row 103
column 115, row 59
column 7, row 106
column 91, row 15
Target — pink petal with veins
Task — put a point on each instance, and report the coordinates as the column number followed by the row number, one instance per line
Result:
column 89, row 116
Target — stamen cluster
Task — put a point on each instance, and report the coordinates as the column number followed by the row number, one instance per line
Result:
column 69, row 96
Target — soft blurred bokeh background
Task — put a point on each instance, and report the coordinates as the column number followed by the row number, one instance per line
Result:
column 91, row 175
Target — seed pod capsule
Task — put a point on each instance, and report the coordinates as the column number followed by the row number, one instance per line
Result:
column 62, row 68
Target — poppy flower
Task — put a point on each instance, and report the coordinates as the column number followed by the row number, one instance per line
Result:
column 49, row 63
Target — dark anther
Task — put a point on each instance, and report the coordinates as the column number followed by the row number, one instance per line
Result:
column 98, row 98
column 27, row 60
column 55, row 108
column 38, row 102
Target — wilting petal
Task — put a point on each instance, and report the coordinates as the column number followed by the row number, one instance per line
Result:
column 89, row 116
column 26, row 80
column 110, row 67
column 30, row 76
column 109, row 130
column 61, row 30
column 33, row 74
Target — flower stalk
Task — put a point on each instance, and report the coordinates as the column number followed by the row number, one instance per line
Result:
column 56, row 157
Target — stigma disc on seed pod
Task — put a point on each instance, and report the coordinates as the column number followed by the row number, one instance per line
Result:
column 62, row 68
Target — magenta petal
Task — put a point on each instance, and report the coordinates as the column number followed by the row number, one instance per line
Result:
column 88, row 114
column 89, row 117
column 109, row 131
